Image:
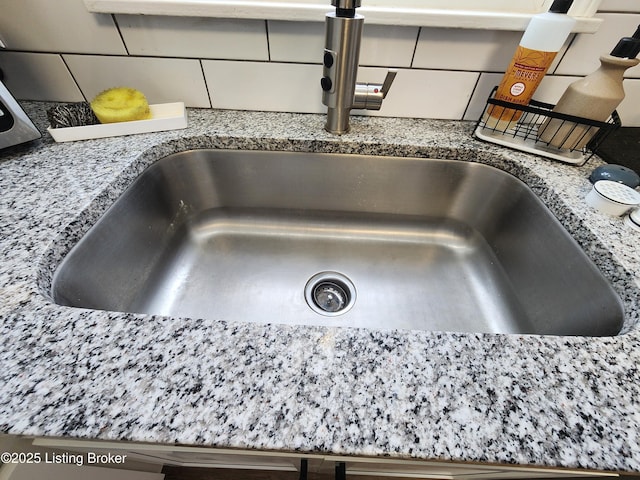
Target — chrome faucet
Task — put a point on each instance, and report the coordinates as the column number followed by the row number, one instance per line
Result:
column 341, row 93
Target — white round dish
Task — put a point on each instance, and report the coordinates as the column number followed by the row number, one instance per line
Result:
column 612, row 198
column 633, row 219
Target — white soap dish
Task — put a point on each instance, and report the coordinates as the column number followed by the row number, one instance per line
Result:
column 164, row 116
column 633, row 219
column 612, row 198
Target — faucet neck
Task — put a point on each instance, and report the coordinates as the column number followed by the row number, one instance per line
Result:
column 340, row 92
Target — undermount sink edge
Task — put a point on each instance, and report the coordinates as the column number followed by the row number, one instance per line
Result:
column 62, row 245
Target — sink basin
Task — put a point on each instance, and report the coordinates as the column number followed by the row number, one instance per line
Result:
column 338, row 240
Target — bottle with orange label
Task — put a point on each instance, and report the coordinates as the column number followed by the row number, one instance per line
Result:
column 542, row 40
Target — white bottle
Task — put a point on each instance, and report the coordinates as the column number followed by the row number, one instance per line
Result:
column 542, row 40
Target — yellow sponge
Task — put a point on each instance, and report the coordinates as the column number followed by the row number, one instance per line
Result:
column 120, row 104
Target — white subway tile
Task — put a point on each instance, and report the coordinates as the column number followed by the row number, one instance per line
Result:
column 619, row 6
column 480, row 94
column 280, row 87
column 459, row 49
column 60, row 26
column 38, row 76
column 304, row 42
column 628, row 109
column 194, row 37
column 295, row 88
column 162, row 80
column 301, row 42
column 552, row 88
column 387, row 45
column 583, row 56
column 423, row 93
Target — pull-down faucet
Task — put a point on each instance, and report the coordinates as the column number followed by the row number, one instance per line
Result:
column 341, row 93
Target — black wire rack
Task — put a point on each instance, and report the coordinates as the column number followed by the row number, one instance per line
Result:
column 535, row 128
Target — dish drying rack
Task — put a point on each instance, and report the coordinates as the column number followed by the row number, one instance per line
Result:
column 567, row 130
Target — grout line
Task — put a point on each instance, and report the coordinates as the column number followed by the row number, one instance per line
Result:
column 415, row 47
column 573, row 39
column 124, row 44
column 283, row 62
column 206, row 85
column 266, row 28
column 473, row 91
column 73, row 77
column 167, row 57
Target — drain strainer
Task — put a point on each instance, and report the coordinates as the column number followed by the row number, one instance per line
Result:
column 330, row 293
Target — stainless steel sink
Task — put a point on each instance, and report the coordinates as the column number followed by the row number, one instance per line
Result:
column 339, row 240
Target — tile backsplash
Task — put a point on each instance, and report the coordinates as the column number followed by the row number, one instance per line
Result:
column 64, row 53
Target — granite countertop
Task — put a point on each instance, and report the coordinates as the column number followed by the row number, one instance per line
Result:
column 507, row 399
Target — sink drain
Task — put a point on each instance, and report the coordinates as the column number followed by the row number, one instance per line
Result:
column 330, row 293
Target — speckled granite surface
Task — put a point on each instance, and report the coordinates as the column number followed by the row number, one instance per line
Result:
column 513, row 399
